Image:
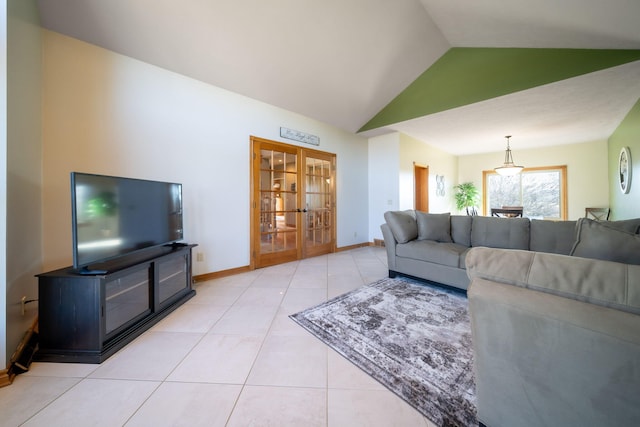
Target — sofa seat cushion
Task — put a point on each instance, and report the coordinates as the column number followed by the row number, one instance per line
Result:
column 504, row 233
column 554, row 237
column 463, row 259
column 432, row 251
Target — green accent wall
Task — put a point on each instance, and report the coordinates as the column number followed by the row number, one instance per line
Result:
column 625, row 206
column 464, row 76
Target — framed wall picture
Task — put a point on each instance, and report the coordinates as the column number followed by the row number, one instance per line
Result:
column 624, row 170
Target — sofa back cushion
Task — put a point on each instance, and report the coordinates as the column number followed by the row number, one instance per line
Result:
column 461, row 229
column 403, row 225
column 505, row 233
column 628, row 225
column 434, row 226
column 556, row 237
column 601, row 241
column 609, row 284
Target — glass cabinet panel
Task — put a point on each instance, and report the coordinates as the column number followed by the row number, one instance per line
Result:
column 126, row 298
column 172, row 277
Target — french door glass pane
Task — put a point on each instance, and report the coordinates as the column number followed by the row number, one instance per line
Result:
column 278, row 219
column 318, row 202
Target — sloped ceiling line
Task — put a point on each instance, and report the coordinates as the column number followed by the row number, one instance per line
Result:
column 464, row 76
column 342, row 61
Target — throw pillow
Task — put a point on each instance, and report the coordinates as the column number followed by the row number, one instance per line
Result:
column 598, row 241
column 434, row 226
column 402, row 224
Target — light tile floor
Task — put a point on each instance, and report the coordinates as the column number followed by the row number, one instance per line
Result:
column 229, row 357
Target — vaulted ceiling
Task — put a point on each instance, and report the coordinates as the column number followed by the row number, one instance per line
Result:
column 343, row 61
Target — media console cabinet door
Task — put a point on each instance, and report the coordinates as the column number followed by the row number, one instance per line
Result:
column 173, row 277
column 68, row 313
column 127, row 298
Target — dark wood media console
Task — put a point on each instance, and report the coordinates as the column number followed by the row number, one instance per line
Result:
column 87, row 318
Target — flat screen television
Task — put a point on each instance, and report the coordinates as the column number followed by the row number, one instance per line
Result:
column 114, row 216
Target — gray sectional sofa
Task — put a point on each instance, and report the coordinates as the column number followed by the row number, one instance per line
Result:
column 434, row 246
column 556, row 338
column 554, row 309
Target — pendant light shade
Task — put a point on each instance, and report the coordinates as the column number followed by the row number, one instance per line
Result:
column 508, row 168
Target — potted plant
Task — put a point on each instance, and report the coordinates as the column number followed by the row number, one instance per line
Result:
column 467, row 195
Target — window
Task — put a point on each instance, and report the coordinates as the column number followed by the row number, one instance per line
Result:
column 542, row 192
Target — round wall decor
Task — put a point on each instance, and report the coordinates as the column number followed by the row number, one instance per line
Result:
column 624, row 170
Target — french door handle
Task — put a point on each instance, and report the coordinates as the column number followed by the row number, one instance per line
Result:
column 301, row 210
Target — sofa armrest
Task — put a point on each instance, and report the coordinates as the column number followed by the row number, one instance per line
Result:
column 390, row 244
column 605, row 283
column 543, row 360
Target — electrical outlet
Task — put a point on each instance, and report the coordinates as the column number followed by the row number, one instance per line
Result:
column 199, row 257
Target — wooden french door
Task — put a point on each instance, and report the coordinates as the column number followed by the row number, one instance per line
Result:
column 319, row 203
column 293, row 202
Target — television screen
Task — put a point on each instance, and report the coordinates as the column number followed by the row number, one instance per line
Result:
column 114, row 216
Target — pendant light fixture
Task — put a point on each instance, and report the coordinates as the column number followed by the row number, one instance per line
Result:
column 508, row 168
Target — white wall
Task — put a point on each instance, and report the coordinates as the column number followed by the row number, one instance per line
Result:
column 110, row 114
column 439, row 163
column 23, row 169
column 384, row 188
column 587, row 170
column 391, row 176
column 4, row 356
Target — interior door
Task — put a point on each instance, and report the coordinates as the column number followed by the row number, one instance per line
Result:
column 276, row 204
column 319, row 203
column 293, row 203
column 421, row 186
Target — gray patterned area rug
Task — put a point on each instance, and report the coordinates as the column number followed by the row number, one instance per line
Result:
column 412, row 337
